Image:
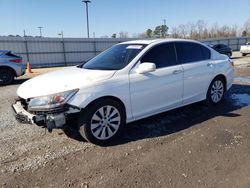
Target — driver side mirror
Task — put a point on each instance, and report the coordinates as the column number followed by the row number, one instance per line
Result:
column 145, row 68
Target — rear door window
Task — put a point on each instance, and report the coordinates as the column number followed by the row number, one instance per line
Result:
column 188, row 52
column 11, row 54
column 162, row 55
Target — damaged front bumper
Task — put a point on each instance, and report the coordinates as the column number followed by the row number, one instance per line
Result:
column 52, row 119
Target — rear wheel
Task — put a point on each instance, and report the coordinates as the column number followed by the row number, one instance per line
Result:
column 6, row 77
column 216, row 91
column 102, row 121
column 243, row 54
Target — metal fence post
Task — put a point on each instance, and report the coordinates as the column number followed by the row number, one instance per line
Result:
column 95, row 49
column 26, row 49
column 238, row 43
column 64, row 53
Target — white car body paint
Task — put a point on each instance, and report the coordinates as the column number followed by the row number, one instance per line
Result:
column 245, row 49
column 143, row 95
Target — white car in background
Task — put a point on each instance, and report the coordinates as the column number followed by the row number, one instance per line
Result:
column 127, row 82
column 245, row 49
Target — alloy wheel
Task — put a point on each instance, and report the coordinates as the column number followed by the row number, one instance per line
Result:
column 217, row 91
column 105, row 122
column 5, row 77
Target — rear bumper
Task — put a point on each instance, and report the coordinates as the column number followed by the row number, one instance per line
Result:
column 21, row 71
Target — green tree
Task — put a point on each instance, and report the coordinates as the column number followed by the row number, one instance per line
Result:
column 113, row 36
column 157, row 31
column 244, row 33
column 161, row 31
column 164, row 31
column 149, row 33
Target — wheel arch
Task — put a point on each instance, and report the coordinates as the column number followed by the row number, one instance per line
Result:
column 224, row 79
column 108, row 97
column 10, row 69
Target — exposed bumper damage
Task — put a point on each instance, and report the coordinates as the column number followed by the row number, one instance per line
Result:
column 52, row 119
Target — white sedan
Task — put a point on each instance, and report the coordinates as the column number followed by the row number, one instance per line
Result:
column 127, row 82
column 245, row 49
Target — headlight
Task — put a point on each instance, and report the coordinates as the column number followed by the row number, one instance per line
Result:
column 51, row 101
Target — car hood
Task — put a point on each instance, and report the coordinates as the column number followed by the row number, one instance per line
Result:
column 60, row 81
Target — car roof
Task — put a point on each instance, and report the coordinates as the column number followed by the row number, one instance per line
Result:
column 151, row 41
column 4, row 51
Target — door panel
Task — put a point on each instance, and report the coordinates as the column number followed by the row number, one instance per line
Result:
column 162, row 89
column 196, row 80
column 198, row 70
column 155, row 91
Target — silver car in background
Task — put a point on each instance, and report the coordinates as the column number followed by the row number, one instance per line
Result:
column 10, row 67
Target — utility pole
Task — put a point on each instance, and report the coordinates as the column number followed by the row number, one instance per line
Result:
column 87, row 14
column 26, row 46
column 40, row 29
column 164, row 21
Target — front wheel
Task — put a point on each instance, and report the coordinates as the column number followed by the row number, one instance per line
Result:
column 102, row 121
column 216, row 91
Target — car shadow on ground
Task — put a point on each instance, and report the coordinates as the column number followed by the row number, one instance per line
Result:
column 176, row 120
column 19, row 81
column 15, row 82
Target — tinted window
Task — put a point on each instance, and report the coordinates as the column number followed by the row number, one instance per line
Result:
column 188, row 52
column 216, row 46
column 206, row 52
column 223, row 46
column 12, row 54
column 115, row 58
column 162, row 55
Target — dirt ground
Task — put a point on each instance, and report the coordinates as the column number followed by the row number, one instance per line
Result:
column 194, row 146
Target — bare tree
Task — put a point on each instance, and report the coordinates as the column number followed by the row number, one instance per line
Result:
column 201, row 27
column 201, row 30
column 123, row 34
column 175, row 32
column 246, row 27
column 234, row 29
column 193, row 31
column 183, row 30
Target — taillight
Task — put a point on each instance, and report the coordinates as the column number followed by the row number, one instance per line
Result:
column 16, row 60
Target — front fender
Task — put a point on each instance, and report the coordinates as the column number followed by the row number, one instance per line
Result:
column 121, row 91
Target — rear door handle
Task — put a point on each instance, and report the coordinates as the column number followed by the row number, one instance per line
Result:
column 177, row 71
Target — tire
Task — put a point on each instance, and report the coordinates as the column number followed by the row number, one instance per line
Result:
column 102, row 122
column 243, row 54
column 216, row 91
column 6, row 77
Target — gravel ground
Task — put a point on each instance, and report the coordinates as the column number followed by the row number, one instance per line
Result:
column 194, row 146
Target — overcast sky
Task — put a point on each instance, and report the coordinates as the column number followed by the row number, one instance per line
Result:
column 112, row 16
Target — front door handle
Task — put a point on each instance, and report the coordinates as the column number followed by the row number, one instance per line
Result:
column 177, row 71
column 210, row 64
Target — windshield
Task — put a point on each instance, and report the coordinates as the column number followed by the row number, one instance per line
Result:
column 115, row 58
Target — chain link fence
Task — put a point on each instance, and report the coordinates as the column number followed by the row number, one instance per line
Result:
column 50, row 52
